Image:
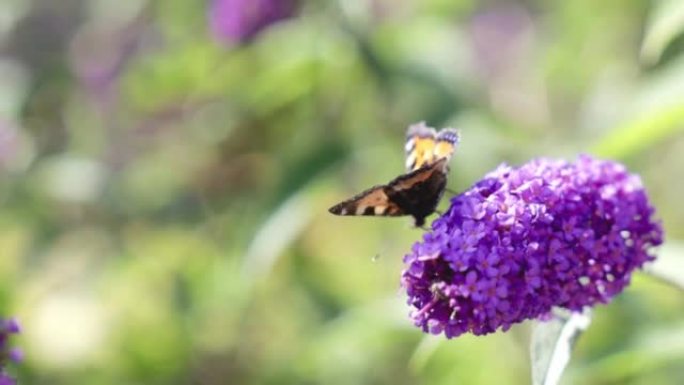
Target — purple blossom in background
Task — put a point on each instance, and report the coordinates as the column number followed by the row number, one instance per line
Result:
column 501, row 36
column 8, row 327
column 237, row 21
column 523, row 240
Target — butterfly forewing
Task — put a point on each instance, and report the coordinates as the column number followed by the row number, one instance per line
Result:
column 425, row 146
column 373, row 201
column 420, row 144
column 445, row 143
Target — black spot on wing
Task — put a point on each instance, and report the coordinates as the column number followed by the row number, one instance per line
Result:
column 343, row 208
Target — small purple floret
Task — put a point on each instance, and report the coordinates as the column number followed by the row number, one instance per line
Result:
column 523, row 240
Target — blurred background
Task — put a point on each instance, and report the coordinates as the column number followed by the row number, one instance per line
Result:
column 166, row 169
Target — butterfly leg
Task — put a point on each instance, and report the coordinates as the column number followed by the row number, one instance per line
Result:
column 450, row 191
column 419, row 223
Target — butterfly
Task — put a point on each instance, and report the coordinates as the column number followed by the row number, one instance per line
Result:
column 418, row 191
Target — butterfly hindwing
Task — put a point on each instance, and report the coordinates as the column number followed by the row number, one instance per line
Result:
column 420, row 144
column 445, row 143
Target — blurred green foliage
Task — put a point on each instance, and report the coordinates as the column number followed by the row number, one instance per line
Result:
column 164, row 197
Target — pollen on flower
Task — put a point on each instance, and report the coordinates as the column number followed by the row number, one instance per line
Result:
column 523, row 240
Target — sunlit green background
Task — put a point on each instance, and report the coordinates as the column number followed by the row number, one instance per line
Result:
column 164, row 196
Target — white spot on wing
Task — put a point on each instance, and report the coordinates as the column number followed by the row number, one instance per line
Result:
column 410, row 144
column 410, row 161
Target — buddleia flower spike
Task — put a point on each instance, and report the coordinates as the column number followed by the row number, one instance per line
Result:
column 524, row 240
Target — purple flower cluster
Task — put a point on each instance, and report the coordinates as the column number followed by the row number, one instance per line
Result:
column 523, row 240
column 8, row 327
column 237, row 21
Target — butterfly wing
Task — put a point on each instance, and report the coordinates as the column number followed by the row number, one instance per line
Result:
column 445, row 143
column 424, row 146
column 420, row 145
column 373, row 201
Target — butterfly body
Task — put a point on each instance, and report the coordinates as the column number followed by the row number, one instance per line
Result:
column 417, row 192
column 423, row 191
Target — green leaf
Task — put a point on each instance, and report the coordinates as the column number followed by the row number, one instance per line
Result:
column 637, row 135
column 276, row 235
column 664, row 25
column 425, row 349
column 652, row 350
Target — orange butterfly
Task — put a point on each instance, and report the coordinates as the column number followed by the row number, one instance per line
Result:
column 417, row 192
